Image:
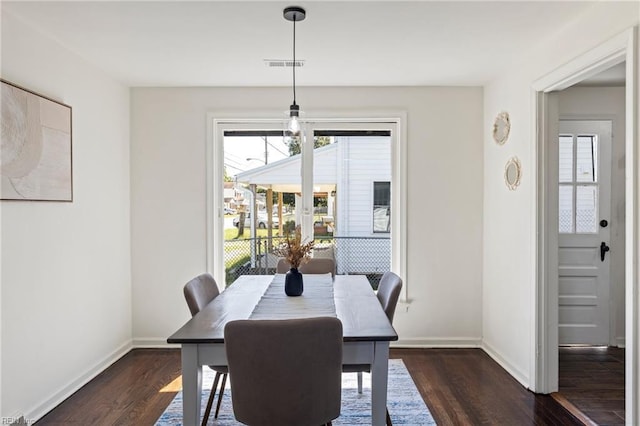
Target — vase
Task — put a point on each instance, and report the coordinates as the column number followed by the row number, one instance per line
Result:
column 293, row 282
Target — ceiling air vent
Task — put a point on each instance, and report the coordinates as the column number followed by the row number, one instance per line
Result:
column 281, row 63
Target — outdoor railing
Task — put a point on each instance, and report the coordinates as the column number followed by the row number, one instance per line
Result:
column 370, row 256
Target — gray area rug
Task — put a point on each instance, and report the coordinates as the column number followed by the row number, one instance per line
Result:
column 404, row 402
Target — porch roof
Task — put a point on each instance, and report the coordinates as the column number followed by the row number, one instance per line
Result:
column 284, row 175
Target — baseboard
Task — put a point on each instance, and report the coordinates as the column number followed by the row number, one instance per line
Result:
column 443, row 342
column 520, row 376
column 152, row 342
column 67, row 390
column 620, row 342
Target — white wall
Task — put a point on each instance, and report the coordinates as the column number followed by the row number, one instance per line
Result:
column 66, row 284
column 607, row 103
column 168, row 137
column 509, row 216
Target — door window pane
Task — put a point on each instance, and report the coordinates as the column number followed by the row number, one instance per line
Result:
column 565, row 154
column 586, row 208
column 586, row 156
column 565, row 202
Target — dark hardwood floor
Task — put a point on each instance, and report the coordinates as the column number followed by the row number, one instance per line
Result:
column 592, row 379
column 133, row 391
column 466, row 387
column 460, row 387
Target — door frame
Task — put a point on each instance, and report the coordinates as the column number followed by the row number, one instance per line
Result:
column 544, row 359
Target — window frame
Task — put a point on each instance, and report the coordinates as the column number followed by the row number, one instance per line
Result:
column 219, row 122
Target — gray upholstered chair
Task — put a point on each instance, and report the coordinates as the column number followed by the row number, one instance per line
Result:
column 199, row 292
column 388, row 294
column 312, row 266
column 285, row 372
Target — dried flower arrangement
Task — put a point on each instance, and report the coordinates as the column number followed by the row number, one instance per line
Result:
column 293, row 250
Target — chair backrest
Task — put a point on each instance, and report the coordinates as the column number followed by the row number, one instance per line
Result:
column 312, row 266
column 389, row 292
column 285, row 372
column 200, row 291
column 283, row 266
column 319, row 266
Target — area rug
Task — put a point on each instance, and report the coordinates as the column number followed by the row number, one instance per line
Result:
column 404, row 402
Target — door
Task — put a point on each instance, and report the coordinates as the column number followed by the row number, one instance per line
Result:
column 584, row 176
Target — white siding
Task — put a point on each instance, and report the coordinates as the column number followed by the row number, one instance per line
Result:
column 364, row 160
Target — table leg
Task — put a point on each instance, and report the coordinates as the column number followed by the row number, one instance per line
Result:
column 191, row 385
column 379, row 377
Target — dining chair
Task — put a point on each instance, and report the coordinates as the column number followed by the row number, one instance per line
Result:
column 312, row 266
column 199, row 292
column 285, row 372
column 388, row 295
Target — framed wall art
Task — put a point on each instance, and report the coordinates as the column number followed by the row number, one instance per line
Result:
column 35, row 147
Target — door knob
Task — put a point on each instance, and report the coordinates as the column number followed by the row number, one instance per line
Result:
column 604, row 223
column 604, row 248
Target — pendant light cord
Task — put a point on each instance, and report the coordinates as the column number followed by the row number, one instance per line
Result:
column 294, row 59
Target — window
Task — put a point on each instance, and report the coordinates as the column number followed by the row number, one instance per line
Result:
column 352, row 174
column 578, row 184
column 381, row 206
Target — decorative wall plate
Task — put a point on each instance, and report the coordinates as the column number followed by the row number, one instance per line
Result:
column 512, row 173
column 501, row 128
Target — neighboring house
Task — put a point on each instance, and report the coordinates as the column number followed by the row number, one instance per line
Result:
column 355, row 174
column 232, row 197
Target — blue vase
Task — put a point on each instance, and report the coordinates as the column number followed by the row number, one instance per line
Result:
column 293, row 283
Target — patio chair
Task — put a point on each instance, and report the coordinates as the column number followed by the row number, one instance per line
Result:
column 312, row 266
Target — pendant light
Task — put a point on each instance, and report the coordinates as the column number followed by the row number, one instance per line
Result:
column 294, row 14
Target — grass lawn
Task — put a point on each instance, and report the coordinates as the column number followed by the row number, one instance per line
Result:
column 232, row 234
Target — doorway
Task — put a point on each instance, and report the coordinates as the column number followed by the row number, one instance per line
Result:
column 545, row 366
column 590, row 220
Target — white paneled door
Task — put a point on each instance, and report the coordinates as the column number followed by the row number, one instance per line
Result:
column 584, row 179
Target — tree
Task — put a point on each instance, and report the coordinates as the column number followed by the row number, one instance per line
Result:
column 227, row 178
column 318, row 141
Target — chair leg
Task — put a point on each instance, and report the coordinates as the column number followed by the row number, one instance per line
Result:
column 207, row 412
column 389, row 419
column 224, row 382
column 359, row 381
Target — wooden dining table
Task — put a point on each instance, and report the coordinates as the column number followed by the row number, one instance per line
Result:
column 366, row 329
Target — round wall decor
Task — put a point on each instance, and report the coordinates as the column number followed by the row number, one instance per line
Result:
column 501, row 128
column 512, row 173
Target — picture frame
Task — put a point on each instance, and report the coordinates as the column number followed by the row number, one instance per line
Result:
column 35, row 147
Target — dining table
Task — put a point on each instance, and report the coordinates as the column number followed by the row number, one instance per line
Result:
column 367, row 332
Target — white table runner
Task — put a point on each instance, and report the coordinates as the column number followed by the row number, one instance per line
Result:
column 315, row 301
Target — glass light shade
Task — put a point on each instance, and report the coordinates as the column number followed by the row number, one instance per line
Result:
column 293, row 125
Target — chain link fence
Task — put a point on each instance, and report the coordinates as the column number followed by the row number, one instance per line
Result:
column 370, row 256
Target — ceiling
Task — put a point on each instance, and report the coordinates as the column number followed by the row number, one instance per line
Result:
column 381, row 43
